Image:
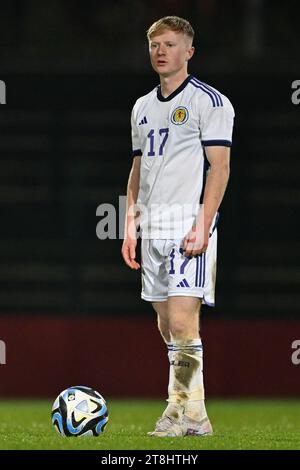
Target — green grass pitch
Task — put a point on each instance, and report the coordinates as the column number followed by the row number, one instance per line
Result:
column 238, row 424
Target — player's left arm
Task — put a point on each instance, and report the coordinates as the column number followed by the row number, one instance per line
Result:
column 196, row 241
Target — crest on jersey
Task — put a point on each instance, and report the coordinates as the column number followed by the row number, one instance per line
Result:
column 180, row 115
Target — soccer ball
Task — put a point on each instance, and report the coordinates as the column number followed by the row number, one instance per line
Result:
column 79, row 411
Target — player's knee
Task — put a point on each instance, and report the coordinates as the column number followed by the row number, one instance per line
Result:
column 179, row 329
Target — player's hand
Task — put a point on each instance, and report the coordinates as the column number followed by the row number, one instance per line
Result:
column 195, row 242
column 129, row 252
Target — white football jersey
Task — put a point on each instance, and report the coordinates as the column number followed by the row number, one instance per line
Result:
column 170, row 134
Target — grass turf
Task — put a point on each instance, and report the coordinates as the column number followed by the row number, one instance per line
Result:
column 238, row 424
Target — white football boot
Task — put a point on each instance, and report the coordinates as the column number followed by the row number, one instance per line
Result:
column 191, row 427
column 167, row 427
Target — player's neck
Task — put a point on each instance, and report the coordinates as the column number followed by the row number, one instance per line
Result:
column 169, row 84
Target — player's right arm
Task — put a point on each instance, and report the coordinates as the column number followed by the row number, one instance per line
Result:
column 130, row 241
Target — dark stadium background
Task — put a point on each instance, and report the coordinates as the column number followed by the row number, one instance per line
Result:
column 70, row 310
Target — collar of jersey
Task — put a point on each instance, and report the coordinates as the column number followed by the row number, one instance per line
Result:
column 175, row 92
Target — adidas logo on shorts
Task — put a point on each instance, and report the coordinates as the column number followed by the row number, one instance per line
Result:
column 183, row 283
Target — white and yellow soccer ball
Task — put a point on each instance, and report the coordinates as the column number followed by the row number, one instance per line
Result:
column 79, row 411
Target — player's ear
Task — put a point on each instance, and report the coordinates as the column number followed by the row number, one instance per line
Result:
column 190, row 53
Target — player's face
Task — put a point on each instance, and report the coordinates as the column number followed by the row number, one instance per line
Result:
column 170, row 52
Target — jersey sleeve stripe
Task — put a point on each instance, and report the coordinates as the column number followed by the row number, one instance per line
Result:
column 207, row 87
column 217, row 142
column 206, row 91
column 217, row 100
column 137, row 153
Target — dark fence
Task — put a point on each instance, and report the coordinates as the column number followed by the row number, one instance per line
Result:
column 114, row 355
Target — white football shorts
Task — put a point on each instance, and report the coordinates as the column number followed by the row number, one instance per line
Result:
column 166, row 271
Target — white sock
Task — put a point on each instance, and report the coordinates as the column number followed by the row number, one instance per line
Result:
column 186, row 390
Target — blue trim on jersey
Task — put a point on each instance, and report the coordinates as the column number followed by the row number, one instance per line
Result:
column 212, row 95
column 217, row 142
column 137, row 153
column 217, row 100
column 172, row 95
column 217, row 95
column 206, row 91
